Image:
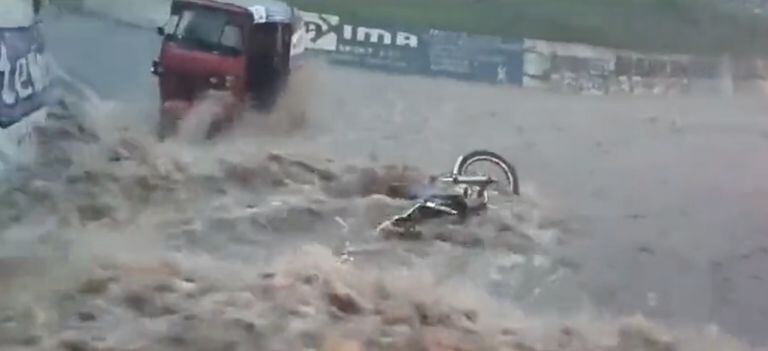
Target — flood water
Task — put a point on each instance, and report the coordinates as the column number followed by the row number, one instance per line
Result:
column 631, row 206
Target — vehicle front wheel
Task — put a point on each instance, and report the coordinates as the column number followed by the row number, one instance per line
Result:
column 166, row 127
column 216, row 127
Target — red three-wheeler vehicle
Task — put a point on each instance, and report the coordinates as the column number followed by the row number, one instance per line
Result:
column 243, row 50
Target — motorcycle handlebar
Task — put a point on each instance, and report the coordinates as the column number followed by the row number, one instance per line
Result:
column 469, row 180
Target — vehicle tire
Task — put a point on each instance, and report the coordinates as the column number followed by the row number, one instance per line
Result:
column 216, row 127
column 463, row 163
column 166, row 127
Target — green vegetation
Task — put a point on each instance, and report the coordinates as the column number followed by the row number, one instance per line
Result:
column 675, row 26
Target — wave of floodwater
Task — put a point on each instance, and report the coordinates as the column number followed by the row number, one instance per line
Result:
column 116, row 242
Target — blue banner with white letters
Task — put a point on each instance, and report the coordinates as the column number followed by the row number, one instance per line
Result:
column 23, row 74
column 464, row 56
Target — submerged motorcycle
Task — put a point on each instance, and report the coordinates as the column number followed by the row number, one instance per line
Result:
column 473, row 187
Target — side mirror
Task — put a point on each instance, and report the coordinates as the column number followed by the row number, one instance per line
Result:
column 156, row 68
column 161, row 31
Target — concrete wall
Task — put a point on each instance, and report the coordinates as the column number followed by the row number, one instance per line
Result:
column 16, row 13
column 535, row 66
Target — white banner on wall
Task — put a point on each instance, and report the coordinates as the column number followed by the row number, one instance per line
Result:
column 24, row 81
column 321, row 30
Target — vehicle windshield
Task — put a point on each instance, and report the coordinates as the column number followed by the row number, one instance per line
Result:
column 208, row 30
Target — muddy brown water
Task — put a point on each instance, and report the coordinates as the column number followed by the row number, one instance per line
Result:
column 650, row 206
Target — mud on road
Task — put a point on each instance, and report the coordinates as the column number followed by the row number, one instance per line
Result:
column 630, row 205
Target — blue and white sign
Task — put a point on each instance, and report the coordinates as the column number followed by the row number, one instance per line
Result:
column 23, row 74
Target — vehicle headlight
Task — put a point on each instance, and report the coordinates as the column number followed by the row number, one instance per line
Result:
column 222, row 82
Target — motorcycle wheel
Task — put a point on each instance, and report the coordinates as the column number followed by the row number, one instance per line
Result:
column 510, row 181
